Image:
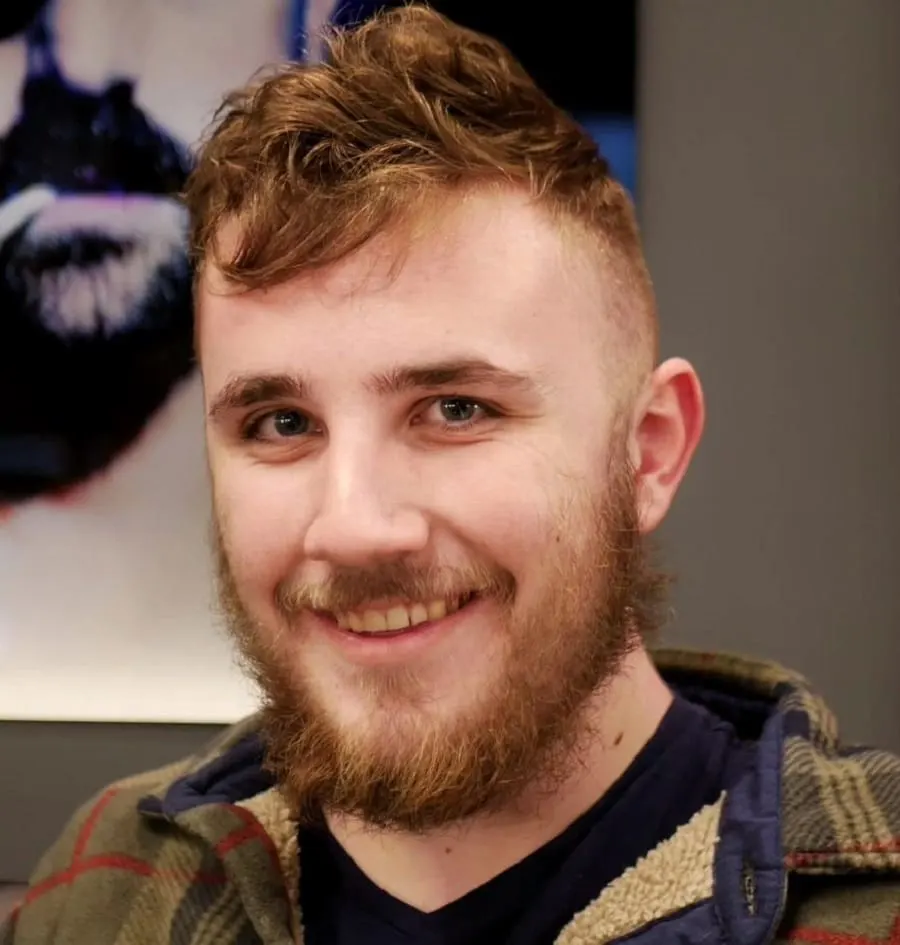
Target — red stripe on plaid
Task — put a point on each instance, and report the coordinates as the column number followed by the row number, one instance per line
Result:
column 804, row 859
column 824, row 937
column 118, row 861
column 87, row 827
column 252, row 830
column 49, row 884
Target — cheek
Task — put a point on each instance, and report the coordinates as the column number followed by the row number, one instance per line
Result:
column 505, row 505
column 262, row 517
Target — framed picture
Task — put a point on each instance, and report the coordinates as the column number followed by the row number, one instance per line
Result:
column 106, row 609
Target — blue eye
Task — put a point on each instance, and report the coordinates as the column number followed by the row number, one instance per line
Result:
column 278, row 425
column 458, row 410
column 457, row 414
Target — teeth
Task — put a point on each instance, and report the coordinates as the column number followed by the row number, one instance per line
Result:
column 397, row 618
column 349, row 621
column 437, row 609
column 373, row 622
column 418, row 613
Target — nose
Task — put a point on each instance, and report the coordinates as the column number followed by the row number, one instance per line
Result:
column 357, row 522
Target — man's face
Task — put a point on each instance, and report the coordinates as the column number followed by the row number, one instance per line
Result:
column 426, row 522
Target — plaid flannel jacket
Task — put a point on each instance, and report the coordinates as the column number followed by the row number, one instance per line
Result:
column 805, row 848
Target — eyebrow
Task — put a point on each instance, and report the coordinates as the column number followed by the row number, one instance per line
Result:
column 448, row 373
column 248, row 390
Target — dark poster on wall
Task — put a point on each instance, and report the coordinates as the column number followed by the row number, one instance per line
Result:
column 103, row 496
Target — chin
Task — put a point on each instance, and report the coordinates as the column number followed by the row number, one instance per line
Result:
column 399, row 702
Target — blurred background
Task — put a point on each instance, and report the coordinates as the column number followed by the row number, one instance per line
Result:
column 762, row 144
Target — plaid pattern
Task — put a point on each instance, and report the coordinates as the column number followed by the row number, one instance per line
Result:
column 840, row 810
column 226, row 874
column 840, row 805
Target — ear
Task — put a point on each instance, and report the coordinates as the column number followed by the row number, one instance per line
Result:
column 667, row 428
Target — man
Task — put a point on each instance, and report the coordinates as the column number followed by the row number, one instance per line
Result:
column 438, row 433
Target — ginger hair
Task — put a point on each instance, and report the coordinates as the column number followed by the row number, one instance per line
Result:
column 313, row 160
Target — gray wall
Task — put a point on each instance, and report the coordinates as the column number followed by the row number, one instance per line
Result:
column 769, row 189
column 770, row 197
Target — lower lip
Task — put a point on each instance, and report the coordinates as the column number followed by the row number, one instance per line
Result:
column 398, row 646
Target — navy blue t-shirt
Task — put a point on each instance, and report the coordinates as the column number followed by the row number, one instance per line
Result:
column 690, row 760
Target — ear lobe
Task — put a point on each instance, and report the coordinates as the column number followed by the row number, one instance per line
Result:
column 667, row 432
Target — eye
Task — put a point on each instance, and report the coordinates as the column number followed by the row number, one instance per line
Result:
column 458, row 410
column 278, row 425
column 456, row 414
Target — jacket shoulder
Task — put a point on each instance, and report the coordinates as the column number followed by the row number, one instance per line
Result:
column 115, row 874
column 850, row 909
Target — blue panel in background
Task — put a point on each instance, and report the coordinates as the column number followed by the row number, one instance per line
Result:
column 345, row 13
column 617, row 140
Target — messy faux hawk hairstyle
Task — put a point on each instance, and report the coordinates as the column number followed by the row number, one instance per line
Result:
column 312, row 161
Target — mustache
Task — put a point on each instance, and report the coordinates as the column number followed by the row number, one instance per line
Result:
column 352, row 588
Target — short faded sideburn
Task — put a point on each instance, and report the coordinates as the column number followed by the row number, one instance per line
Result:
column 314, row 160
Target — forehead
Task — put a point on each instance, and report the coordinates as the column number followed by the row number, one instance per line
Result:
column 491, row 277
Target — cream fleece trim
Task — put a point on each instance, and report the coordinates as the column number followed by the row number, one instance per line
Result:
column 676, row 874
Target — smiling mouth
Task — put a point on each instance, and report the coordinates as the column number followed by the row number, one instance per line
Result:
column 399, row 617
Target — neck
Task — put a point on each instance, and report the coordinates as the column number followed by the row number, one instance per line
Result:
column 428, row 871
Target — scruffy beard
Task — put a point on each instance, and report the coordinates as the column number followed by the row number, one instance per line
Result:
column 599, row 599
